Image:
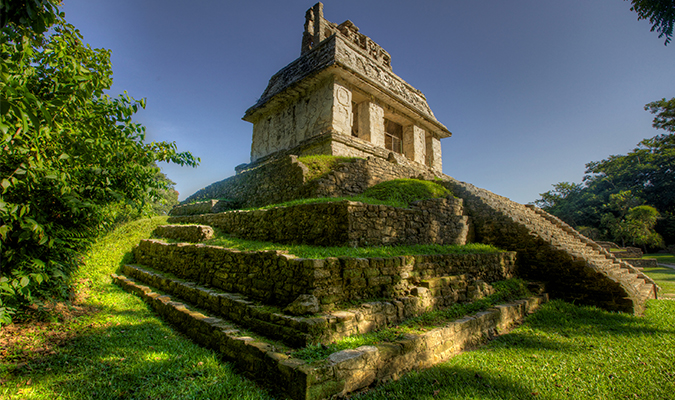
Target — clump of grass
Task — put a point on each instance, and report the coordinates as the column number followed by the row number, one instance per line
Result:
column 320, row 165
column 317, row 200
column 406, row 190
column 505, row 291
column 307, row 251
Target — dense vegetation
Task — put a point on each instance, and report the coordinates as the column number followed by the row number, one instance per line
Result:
column 73, row 160
column 627, row 198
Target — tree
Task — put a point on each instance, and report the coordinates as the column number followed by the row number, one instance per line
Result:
column 665, row 114
column 660, row 13
column 615, row 185
column 72, row 157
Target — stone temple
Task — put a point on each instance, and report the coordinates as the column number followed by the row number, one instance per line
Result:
column 340, row 97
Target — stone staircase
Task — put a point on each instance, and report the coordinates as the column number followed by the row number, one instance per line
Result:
column 258, row 308
column 574, row 267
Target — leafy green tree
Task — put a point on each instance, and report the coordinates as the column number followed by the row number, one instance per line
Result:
column 665, row 114
column 72, row 158
column 660, row 13
column 165, row 198
column 611, row 187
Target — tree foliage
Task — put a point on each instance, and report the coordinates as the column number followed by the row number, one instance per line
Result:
column 614, row 189
column 72, row 159
column 660, row 13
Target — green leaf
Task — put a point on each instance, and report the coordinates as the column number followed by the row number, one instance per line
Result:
column 24, row 281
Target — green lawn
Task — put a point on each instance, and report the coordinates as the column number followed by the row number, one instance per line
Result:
column 125, row 351
column 662, row 275
column 665, row 258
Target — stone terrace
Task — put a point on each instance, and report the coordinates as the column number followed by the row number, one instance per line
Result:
column 241, row 304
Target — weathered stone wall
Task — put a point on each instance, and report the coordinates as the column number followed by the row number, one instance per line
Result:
column 348, row 223
column 187, row 233
column 642, row 262
column 277, row 278
column 273, row 182
column 283, row 179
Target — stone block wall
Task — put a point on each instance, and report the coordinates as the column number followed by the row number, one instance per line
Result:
column 277, row 278
column 343, row 223
column 187, row 233
column 284, row 178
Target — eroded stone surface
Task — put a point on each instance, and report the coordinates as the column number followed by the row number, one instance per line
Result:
column 343, row 83
column 303, row 305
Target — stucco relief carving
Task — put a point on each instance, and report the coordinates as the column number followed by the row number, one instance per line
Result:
column 388, row 80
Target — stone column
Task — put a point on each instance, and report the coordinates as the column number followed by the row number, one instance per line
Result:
column 371, row 123
column 414, row 144
column 342, row 109
column 433, row 158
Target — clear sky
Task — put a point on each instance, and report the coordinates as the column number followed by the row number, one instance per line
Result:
column 532, row 90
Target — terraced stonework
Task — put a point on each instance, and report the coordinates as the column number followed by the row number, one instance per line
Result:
column 342, row 372
column 344, row 223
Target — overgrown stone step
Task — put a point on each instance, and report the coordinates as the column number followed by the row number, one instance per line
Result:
column 322, row 328
column 344, row 371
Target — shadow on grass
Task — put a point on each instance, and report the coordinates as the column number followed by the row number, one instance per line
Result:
column 451, row 382
column 133, row 360
column 560, row 337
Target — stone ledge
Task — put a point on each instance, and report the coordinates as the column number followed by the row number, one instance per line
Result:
column 345, row 371
column 345, row 223
column 278, row 279
column 187, row 233
column 641, row 263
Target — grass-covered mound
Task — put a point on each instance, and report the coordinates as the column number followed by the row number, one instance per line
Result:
column 395, row 193
column 406, row 191
column 320, row 165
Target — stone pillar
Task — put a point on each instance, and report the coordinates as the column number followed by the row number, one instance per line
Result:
column 371, row 123
column 342, row 109
column 414, row 144
column 433, row 157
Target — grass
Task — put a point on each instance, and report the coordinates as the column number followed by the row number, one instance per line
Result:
column 406, row 191
column 664, row 258
column 662, row 275
column 306, row 251
column 318, row 200
column 117, row 348
column 561, row 352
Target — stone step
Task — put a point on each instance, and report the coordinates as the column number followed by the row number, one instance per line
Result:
column 341, row 372
column 320, row 327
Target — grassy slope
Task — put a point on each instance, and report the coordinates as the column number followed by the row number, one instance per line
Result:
column 124, row 351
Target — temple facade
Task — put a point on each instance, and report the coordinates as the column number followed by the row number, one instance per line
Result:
column 340, row 97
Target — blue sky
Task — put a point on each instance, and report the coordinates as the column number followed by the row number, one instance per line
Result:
column 532, row 90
